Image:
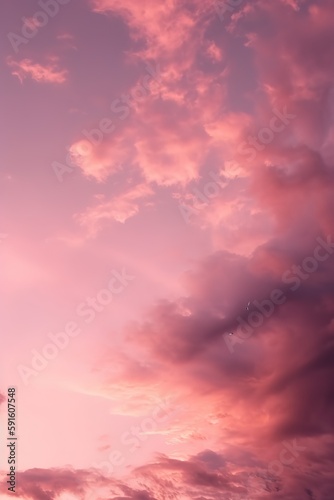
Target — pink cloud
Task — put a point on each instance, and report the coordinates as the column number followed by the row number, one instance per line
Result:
column 218, row 88
column 259, row 396
column 26, row 68
column 146, row 19
column 95, row 162
column 120, row 208
column 168, row 127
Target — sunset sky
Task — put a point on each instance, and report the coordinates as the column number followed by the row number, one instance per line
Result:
column 167, row 247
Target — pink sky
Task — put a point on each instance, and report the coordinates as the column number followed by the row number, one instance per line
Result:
column 163, row 165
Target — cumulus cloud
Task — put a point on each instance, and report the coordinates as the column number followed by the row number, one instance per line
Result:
column 165, row 134
column 275, row 387
column 95, row 162
column 251, row 101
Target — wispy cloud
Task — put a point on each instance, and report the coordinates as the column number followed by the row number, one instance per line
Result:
column 48, row 73
column 119, row 208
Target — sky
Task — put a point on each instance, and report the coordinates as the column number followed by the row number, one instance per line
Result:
column 167, row 247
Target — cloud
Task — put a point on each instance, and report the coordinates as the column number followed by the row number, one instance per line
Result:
column 274, row 388
column 47, row 484
column 48, row 73
column 188, row 122
column 165, row 135
column 205, row 475
column 217, row 90
column 215, row 52
column 276, row 385
column 95, row 162
column 189, row 477
column 120, row 208
column 148, row 18
column 86, row 484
